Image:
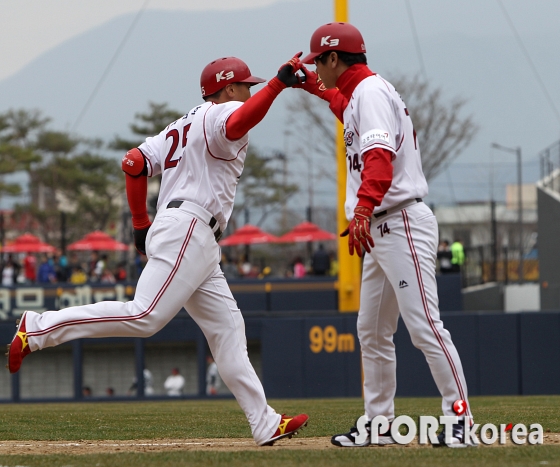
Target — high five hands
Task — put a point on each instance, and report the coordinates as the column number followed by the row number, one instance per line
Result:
column 288, row 72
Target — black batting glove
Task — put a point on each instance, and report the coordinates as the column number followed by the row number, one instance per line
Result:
column 287, row 72
column 140, row 239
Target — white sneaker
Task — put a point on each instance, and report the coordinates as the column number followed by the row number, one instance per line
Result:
column 348, row 440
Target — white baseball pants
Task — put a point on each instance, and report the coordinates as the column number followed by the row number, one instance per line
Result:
column 182, row 271
column 399, row 277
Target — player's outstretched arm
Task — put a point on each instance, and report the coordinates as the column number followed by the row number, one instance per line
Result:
column 313, row 85
column 255, row 108
column 134, row 167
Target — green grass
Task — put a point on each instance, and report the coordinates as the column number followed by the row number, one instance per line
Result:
column 376, row 457
column 224, row 419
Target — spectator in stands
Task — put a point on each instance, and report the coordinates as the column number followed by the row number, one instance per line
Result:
column 444, row 257
column 120, row 272
column 254, row 272
column 457, row 255
column 229, row 268
column 244, row 267
column 99, row 269
column 8, row 272
column 17, row 268
column 107, row 277
column 213, row 380
column 74, row 262
column 148, row 384
column 110, row 392
column 265, row 272
column 174, row 383
column 320, row 261
column 299, row 268
column 46, row 273
column 94, row 269
column 30, row 268
column 61, row 268
column 86, row 392
column 333, row 271
column 78, row 276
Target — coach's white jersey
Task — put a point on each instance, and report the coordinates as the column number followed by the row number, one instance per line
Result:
column 376, row 117
column 197, row 162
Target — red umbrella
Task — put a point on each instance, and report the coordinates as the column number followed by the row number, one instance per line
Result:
column 98, row 241
column 28, row 243
column 306, row 232
column 248, row 235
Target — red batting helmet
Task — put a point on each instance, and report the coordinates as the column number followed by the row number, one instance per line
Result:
column 342, row 37
column 223, row 71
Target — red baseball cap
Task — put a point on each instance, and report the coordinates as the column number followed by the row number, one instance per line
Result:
column 342, row 37
column 223, row 71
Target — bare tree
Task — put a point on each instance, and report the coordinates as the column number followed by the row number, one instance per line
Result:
column 316, row 132
column 443, row 133
column 441, row 130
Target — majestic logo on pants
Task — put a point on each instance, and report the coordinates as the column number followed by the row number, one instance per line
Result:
column 402, row 284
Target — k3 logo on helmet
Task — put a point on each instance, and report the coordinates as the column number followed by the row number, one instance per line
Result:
column 220, row 76
column 328, row 41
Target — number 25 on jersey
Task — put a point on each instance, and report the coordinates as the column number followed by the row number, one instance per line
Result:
column 174, row 134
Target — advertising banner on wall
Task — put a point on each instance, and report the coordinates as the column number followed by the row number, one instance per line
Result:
column 15, row 300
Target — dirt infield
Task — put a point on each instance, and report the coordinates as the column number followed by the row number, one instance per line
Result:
column 200, row 444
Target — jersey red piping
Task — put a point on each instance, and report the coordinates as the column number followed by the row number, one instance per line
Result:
column 402, row 139
column 425, row 303
column 384, row 82
column 151, row 171
column 206, row 140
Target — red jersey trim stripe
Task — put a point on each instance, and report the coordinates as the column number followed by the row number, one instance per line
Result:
column 425, row 303
column 208, row 146
column 151, row 169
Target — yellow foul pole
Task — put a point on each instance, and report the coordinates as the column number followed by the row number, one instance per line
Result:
column 350, row 267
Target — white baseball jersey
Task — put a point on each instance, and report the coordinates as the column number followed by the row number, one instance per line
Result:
column 376, row 117
column 197, row 161
column 398, row 276
column 201, row 166
column 174, row 385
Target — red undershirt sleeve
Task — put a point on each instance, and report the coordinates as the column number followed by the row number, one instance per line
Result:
column 253, row 110
column 137, row 194
column 377, row 176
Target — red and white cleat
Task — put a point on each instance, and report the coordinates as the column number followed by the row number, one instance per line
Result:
column 287, row 428
column 19, row 347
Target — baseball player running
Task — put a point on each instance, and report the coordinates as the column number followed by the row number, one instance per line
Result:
column 200, row 157
column 399, row 233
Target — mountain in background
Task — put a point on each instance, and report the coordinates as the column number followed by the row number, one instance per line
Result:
column 165, row 54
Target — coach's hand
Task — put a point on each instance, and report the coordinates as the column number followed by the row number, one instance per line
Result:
column 312, row 83
column 358, row 231
column 287, row 72
column 140, row 239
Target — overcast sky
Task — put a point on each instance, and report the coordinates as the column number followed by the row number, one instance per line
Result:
column 31, row 27
column 467, row 46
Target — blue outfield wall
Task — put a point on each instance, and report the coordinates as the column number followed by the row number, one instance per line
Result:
column 309, row 349
column 318, row 355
